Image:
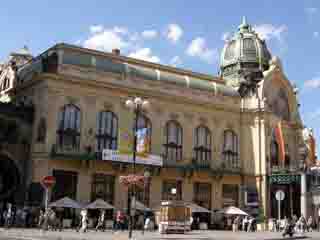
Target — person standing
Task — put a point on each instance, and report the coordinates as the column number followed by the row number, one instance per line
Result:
column 8, row 216
column 310, row 224
column 101, row 222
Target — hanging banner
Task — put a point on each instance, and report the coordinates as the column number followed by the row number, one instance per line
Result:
column 143, row 142
column 312, row 152
column 280, row 141
column 117, row 156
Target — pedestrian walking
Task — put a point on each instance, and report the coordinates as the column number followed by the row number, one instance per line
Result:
column 310, row 224
column 8, row 216
column 101, row 221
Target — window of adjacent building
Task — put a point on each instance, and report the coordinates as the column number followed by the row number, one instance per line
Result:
column 103, row 187
column 230, row 149
column 230, row 195
column 144, row 122
column 5, row 84
column 68, row 133
column 107, row 131
column 173, row 141
column 167, row 187
column 202, row 194
column 202, row 145
column 66, row 185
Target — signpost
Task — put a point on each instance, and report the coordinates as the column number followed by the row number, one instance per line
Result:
column 48, row 182
column 280, row 197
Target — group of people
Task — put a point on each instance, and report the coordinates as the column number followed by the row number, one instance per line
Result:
column 299, row 224
column 245, row 223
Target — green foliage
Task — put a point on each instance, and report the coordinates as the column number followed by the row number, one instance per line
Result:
column 261, row 218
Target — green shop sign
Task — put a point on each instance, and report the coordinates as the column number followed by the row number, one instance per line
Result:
column 284, row 179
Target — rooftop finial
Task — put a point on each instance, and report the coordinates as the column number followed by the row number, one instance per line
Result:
column 244, row 20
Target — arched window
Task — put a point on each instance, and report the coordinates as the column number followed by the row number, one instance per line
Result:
column 107, row 131
column 173, row 141
column 274, row 148
column 230, row 149
column 144, row 122
column 68, row 133
column 202, row 145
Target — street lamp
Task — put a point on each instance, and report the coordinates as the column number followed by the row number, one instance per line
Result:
column 145, row 187
column 136, row 105
column 174, row 192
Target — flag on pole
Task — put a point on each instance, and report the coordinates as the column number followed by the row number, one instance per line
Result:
column 312, row 144
column 280, row 141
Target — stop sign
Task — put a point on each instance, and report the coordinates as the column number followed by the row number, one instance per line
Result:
column 48, row 181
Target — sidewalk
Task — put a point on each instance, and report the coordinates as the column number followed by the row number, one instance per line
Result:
column 35, row 234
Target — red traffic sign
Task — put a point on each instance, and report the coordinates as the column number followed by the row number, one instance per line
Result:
column 48, row 181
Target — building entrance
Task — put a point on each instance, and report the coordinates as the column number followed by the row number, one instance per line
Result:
column 9, row 179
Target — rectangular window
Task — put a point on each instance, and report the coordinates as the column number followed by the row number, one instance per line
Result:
column 202, row 194
column 167, row 187
column 66, row 185
column 230, row 195
column 103, row 187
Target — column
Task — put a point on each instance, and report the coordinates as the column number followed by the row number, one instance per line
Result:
column 120, row 194
column 304, row 194
column 187, row 190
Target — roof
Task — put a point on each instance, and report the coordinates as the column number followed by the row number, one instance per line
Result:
column 132, row 68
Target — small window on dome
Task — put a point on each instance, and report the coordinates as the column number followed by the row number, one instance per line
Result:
column 249, row 47
column 230, row 51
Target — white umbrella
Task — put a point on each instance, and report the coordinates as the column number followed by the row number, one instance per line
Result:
column 195, row 208
column 65, row 203
column 99, row 204
column 233, row 211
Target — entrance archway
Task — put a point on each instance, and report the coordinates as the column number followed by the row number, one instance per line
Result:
column 10, row 179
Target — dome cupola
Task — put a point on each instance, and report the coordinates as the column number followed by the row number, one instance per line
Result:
column 244, row 52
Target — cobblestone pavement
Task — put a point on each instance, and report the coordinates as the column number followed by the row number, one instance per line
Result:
column 35, row 234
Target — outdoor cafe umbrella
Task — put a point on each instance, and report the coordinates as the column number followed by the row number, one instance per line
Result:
column 65, row 203
column 233, row 211
column 197, row 209
column 99, row 204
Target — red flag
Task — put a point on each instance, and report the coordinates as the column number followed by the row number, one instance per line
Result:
column 280, row 141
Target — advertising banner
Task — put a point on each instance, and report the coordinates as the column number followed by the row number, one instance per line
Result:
column 116, row 156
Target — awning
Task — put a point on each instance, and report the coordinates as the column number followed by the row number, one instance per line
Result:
column 99, row 204
column 197, row 209
column 66, row 203
column 140, row 206
column 233, row 211
column 284, row 179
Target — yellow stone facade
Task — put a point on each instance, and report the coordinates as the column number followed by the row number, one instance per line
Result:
column 93, row 90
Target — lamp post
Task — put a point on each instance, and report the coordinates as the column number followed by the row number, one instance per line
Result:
column 174, row 193
column 146, row 186
column 136, row 104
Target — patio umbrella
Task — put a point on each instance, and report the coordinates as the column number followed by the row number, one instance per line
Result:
column 233, row 211
column 99, row 204
column 65, row 203
column 195, row 208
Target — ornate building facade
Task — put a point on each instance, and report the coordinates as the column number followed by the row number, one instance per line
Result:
column 218, row 148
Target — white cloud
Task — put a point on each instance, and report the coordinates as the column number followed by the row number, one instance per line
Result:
column 269, row 31
column 107, row 39
column 175, row 61
column 315, row 34
column 312, row 83
column 198, row 48
column 145, row 54
column 96, row 28
column 149, row 34
column 226, row 36
column 174, row 32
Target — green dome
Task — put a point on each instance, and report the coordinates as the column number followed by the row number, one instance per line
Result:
column 244, row 51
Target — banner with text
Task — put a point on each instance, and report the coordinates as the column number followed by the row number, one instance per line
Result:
column 117, row 156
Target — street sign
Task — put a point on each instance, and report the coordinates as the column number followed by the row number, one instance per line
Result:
column 48, row 182
column 280, row 195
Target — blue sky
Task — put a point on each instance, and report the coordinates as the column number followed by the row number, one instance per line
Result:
column 187, row 34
